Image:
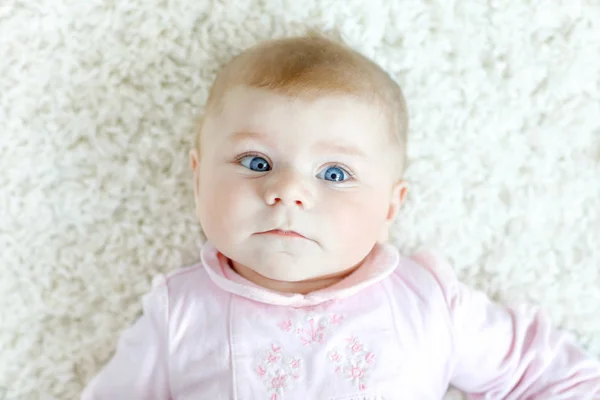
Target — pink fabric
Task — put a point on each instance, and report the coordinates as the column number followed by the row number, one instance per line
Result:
column 397, row 328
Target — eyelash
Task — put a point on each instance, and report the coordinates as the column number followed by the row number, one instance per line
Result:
column 238, row 159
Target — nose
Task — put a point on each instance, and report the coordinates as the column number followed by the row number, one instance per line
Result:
column 289, row 188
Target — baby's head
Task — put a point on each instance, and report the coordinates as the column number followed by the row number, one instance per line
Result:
column 299, row 159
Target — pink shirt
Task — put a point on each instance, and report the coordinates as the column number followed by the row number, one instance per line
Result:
column 397, row 328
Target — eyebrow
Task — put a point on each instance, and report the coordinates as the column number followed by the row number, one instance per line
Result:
column 241, row 136
column 339, row 148
column 321, row 147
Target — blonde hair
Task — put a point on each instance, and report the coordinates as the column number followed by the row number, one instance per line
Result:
column 310, row 66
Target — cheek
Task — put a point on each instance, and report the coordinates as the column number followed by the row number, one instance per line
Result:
column 223, row 202
column 358, row 218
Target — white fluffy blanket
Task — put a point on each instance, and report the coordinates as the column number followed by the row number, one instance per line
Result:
column 97, row 100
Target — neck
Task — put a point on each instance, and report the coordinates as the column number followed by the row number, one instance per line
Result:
column 301, row 287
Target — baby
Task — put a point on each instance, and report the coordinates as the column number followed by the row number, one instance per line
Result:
column 297, row 178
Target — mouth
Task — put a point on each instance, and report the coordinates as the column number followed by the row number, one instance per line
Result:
column 283, row 233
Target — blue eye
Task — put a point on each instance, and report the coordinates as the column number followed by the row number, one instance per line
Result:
column 255, row 163
column 334, row 174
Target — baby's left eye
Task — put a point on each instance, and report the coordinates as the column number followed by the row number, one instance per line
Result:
column 334, row 174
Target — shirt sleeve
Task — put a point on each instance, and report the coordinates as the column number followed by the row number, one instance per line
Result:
column 138, row 369
column 509, row 353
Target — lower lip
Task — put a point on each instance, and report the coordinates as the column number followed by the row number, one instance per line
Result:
column 289, row 234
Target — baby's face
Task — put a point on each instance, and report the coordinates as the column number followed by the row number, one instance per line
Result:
column 295, row 189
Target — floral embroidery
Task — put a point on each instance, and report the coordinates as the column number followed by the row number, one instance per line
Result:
column 313, row 329
column 355, row 363
column 278, row 372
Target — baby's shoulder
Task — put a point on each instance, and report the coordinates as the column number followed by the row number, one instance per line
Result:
column 426, row 273
column 185, row 274
column 183, row 281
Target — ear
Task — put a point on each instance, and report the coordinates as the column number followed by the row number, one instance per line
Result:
column 195, row 164
column 398, row 195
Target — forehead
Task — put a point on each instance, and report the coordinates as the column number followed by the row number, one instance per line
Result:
column 345, row 119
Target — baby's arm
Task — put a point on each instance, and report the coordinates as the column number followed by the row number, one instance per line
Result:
column 138, row 370
column 502, row 353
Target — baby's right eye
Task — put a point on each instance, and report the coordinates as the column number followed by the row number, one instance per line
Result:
column 255, row 163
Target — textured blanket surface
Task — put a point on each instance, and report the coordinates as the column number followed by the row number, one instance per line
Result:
column 97, row 104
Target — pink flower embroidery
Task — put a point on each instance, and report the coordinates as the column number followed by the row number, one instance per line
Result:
column 316, row 333
column 313, row 328
column 278, row 371
column 272, row 358
column 335, row 356
column 278, row 381
column 286, row 325
column 356, row 347
column 356, row 364
column 356, row 372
